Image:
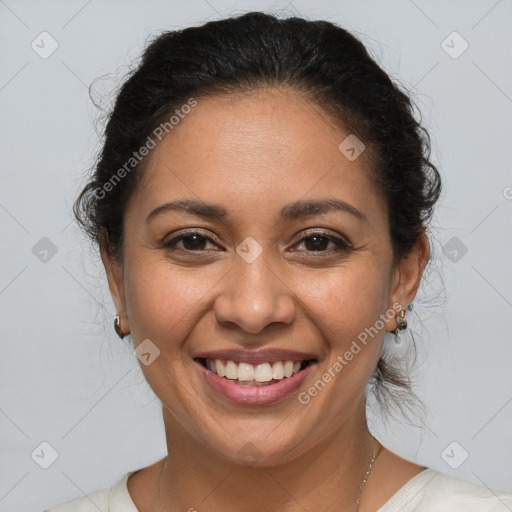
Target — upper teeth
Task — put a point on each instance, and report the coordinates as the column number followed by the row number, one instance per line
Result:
column 263, row 372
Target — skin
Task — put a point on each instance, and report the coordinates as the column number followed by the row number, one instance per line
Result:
column 252, row 154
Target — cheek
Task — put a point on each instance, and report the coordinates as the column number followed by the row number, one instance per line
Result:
column 345, row 306
column 165, row 301
column 345, row 300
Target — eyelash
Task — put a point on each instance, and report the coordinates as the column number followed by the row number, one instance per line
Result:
column 341, row 244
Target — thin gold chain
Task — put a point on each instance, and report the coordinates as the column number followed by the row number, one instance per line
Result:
column 376, row 453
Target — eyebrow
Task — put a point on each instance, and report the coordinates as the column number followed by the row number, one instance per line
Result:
column 301, row 209
column 292, row 211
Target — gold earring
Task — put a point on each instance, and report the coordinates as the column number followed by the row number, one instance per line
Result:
column 401, row 322
column 117, row 327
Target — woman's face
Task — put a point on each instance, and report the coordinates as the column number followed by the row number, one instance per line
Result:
column 285, row 256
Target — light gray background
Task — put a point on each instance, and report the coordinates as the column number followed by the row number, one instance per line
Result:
column 66, row 379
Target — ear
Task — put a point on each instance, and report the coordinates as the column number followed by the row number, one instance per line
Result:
column 406, row 278
column 115, row 277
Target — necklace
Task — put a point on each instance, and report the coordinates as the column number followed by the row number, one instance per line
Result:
column 376, row 453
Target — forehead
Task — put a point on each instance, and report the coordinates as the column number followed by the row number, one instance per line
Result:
column 261, row 149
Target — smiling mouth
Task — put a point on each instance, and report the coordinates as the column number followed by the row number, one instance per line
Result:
column 247, row 374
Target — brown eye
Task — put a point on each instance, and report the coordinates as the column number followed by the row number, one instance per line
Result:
column 316, row 243
column 193, row 242
column 324, row 244
column 190, row 242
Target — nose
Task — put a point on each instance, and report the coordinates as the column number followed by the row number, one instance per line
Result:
column 253, row 297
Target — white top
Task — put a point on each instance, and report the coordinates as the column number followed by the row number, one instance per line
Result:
column 428, row 491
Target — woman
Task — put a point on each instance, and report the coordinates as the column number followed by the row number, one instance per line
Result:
column 261, row 204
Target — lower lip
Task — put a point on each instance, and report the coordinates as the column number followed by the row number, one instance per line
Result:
column 254, row 395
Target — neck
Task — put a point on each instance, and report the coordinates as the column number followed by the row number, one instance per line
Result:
column 193, row 476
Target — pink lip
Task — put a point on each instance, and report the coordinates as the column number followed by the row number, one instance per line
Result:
column 256, row 356
column 254, row 395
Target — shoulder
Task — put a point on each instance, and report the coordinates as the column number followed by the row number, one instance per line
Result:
column 91, row 503
column 112, row 499
column 433, row 491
